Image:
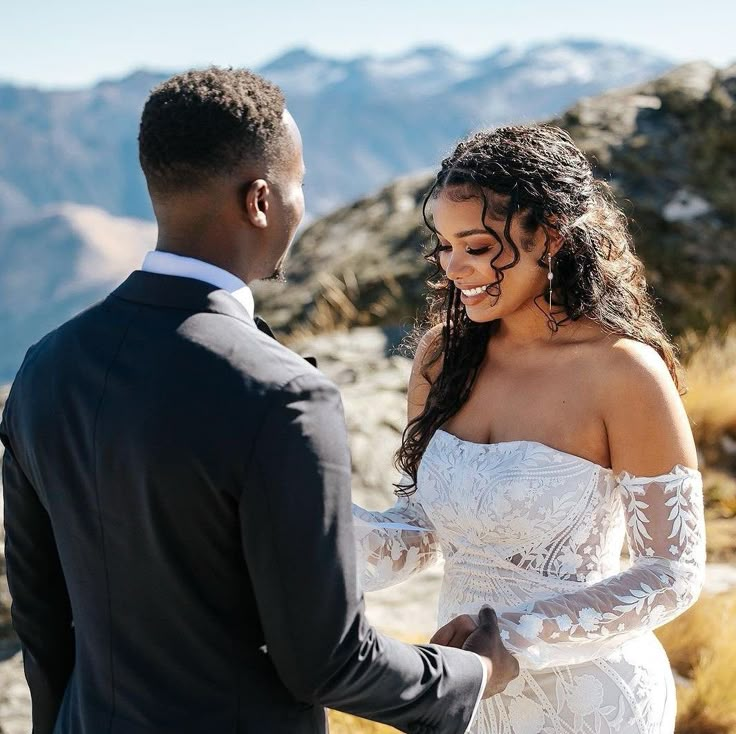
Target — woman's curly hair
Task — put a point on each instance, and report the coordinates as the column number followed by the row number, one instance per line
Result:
column 538, row 173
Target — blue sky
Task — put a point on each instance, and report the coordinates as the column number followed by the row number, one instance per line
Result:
column 51, row 43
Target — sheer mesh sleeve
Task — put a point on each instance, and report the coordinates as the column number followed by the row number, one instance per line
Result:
column 666, row 538
column 394, row 544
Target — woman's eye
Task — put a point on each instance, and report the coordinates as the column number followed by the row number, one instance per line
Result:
column 478, row 251
column 443, row 248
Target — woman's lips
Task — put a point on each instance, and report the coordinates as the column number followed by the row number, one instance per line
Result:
column 473, row 295
column 473, row 300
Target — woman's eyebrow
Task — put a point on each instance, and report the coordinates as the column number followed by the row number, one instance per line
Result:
column 468, row 232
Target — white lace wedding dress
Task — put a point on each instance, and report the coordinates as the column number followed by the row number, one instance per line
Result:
column 536, row 533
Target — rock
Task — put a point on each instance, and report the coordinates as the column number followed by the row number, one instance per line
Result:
column 669, row 149
column 15, row 699
column 373, row 379
column 359, row 266
column 719, row 577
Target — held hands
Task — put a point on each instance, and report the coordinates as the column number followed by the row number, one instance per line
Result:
column 483, row 638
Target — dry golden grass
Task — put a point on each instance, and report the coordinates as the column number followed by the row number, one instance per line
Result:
column 720, row 540
column 345, row 724
column 708, row 706
column 701, row 645
column 699, row 630
column 710, row 367
column 337, row 305
column 710, row 401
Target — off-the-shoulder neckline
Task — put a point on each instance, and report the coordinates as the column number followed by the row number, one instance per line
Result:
column 676, row 470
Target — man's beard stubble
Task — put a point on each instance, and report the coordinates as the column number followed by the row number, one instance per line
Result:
column 278, row 275
column 279, row 272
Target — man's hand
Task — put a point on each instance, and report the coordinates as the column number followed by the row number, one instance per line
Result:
column 455, row 632
column 484, row 639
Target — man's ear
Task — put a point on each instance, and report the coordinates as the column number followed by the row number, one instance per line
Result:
column 255, row 202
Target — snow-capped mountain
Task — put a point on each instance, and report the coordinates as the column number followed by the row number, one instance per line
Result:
column 427, row 71
column 368, row 120
column 416, row 73
column 364, row 120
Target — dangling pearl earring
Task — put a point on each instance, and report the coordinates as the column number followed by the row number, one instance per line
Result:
column 550, row 278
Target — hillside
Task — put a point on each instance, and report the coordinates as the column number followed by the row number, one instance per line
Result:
column 58, row 263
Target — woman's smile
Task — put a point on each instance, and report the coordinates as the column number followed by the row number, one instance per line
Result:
column 474, row 297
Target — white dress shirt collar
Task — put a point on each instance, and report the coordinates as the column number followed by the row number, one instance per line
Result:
column 167, row 263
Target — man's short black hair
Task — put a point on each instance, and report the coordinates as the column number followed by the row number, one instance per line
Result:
column 205, row 123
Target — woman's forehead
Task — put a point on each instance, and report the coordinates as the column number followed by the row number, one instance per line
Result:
column 455, row 214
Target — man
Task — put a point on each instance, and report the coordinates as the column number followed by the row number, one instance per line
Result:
column 179, row 536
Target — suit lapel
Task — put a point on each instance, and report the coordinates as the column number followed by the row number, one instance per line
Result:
column 266, row 329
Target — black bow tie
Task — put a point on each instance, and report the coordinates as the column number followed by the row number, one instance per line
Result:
column 266, row 329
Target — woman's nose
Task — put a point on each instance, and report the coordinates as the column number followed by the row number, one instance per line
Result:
column 456, row 265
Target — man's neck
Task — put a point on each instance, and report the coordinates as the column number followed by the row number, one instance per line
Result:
column 211, row 254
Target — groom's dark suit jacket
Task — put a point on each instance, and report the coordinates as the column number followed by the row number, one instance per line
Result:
column 179, row 536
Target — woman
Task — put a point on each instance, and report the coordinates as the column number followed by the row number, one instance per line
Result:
column 545, row 424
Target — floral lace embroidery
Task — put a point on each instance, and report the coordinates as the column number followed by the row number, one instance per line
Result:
column 537, row 533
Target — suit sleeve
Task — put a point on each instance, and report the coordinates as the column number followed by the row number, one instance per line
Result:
column 298, row 542
column 41, row 611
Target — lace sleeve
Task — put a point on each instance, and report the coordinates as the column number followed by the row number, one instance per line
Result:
column 394, row 544
column 666, row 538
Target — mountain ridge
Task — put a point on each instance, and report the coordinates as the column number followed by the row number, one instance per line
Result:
column 364, row 120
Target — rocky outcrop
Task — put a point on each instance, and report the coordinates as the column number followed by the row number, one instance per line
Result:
column 669, row 149
column 372, row 377
column 15, row 701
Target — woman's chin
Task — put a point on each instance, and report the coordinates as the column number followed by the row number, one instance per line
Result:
column 482, row 315
column 479, row 308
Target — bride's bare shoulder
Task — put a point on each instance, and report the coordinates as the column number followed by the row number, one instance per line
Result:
column 628, row 371
column 429, row 348
column 425, row 369
column 626, row 358
column 645, row 420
